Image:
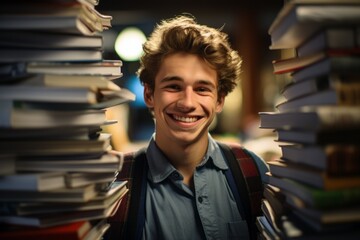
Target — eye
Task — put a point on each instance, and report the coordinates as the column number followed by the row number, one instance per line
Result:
column 173, row 87
column 203, row 89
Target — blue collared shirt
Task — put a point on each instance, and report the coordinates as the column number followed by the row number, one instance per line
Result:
column 173, row 211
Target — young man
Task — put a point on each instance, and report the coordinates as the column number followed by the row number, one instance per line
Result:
column 187, row 70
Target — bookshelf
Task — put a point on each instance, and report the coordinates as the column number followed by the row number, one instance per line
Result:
column 312, row 190
column 57, row 163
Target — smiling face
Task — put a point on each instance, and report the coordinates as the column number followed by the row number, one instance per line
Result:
column 184, row 100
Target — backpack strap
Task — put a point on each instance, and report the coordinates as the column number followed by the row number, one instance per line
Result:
column 124, row 223
column 248, row 189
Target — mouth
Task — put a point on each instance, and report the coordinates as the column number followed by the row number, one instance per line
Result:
column 185, row 119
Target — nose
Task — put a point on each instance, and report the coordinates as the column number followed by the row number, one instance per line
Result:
column 186, row 100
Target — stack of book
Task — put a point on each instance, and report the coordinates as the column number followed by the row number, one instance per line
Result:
column 313, row 189
column 57, row 167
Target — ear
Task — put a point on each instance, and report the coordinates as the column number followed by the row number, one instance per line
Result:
column 148, row 96
column 220, row 104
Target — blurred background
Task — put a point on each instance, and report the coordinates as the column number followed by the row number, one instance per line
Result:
column 245, row 21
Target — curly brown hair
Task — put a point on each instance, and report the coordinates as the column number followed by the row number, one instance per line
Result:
column 184, row 34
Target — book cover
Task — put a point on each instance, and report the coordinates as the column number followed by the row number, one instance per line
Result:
column 344, row 96
column 315, row 197
column 103, row 68
column 293, row 64
column 312, row 176
column 107, row 162
column 54, row 147
column 49, row 40
column 325, row 217
column 342, row 65
column 33, row 181
column 313, row 118
column 341, row 37
column 343, row 136
column 62, row 195
column 299, row 89
column 336, row 159
column 15, row 114
column 299, row 19
column 48, row 94
column 49, row 220
column 104, row 199
column 71, row 231
column 94, row 82
column 43, row 55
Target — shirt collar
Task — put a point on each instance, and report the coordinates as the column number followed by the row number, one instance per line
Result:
column 160, row 168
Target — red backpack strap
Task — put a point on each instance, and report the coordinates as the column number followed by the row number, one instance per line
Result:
column 245, row 183
column 130, row 173
column 251, row 175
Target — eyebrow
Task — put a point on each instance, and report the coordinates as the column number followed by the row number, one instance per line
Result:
column 177, row 78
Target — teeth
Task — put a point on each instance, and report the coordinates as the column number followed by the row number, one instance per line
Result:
column 185, row 119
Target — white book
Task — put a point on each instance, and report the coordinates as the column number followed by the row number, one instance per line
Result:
column 48, row 94
column 12, row 115
column 93, row 82
column 109, row 162
column 103, row 68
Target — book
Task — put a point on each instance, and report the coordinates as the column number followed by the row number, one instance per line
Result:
column 336, row 159
column 313, row 118
column 49, row 220
column 102, row 200
column 276, row 198
column 293, row 64
column 107, row 162
column 13, row 115
column 106, row 99
column 49, row 40
column 324, row 217
column 298, row 20
column 68, row 132
column 71, row 231
column 312, row 176
column 57, row 55
column 33, row 181
column 76, row 18
column 78, row 179
column 341, row 65
column 292, row 226
column 7, row 165
column 62, row 195
column 344, row 136
column 266, row 230
column 55, row 147
column 316, row 197
column 344, row 96
column 93, row 82
column 48, row 94
column 294, row 90
column 98, row 230
column 104, row 68
column 341, row 37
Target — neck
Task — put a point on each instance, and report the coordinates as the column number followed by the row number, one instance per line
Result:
column 185, row 158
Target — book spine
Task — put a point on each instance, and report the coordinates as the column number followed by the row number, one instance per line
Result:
column 343, row 161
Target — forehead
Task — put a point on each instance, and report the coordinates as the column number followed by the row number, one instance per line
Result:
column 186, row 67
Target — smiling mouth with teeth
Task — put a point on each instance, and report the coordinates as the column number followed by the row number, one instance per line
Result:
column 185, row 119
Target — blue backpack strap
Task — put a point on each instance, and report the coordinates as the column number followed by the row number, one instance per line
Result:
column 245, row 182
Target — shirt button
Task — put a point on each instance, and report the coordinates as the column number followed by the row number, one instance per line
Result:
column 175, row 175
column 200, row 199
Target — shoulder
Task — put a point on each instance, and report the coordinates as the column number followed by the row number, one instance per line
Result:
column 260, row 163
